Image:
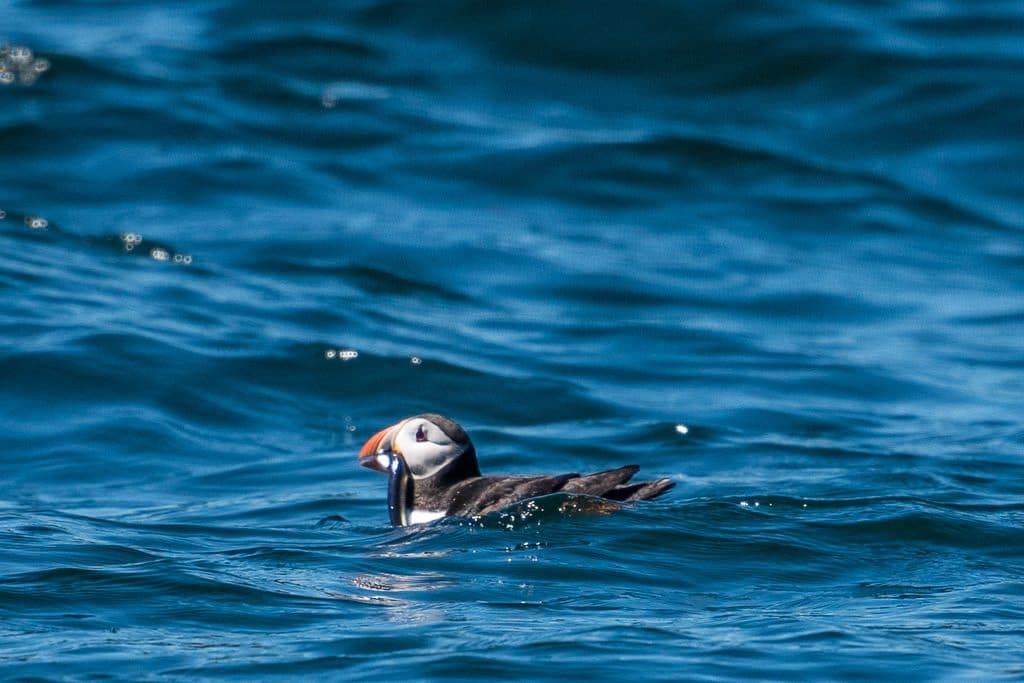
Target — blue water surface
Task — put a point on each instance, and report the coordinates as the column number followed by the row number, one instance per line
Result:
column 772, row 250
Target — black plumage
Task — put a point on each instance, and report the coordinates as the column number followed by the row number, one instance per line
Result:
column 481, row 495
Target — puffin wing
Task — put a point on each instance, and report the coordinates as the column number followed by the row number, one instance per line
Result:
column 481, row 495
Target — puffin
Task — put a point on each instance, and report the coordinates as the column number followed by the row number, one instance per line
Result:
column 433, row 473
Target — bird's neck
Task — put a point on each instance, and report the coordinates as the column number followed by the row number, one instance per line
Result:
column 462, row 468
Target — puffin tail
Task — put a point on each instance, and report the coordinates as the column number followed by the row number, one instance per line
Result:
column 644, row 490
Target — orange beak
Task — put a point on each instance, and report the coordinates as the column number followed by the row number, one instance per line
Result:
column 368, row 453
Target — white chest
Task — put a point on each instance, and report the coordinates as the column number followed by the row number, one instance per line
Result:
column 424, row 516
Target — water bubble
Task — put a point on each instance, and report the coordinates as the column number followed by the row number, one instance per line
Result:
column 19, row 54
column 131, row 239
column 330, row 353
column 744, row 504
column 159, row 254
column 186, row 259
column 348, row 354
column 36, row 222
column 416, row 360
column 177, row 258
column 3, row 214
column 682, row 429
column 19, row 63
column 351, row 428
column 328, row 101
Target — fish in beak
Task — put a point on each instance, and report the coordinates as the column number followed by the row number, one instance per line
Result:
column 379, row 453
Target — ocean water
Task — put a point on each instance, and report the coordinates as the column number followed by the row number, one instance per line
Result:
column 772, row 250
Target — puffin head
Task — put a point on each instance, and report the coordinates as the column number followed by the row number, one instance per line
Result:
column 421, row 454
column 423, row 445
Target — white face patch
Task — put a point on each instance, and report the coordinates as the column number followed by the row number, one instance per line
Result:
column 425, row 447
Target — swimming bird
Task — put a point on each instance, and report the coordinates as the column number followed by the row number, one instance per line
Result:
column 433, row 473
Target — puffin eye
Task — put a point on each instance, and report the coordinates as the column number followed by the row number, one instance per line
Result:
column 420, row 434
